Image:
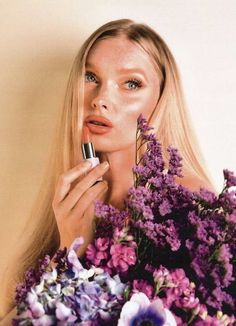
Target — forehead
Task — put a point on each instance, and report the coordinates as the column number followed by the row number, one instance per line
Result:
column 118, row 51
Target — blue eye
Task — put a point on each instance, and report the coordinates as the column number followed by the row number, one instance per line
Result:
column 87, row 75
column 135, row 83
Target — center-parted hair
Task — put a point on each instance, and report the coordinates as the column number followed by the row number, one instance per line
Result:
column 169, row 119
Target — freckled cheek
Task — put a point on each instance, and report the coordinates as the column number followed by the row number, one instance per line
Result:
column 127, row 124
column 134, row 104
column 141, row 104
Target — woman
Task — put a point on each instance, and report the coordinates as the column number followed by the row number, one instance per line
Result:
column 123, row 69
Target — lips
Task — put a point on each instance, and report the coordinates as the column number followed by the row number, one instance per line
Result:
column 98, row 124
column 98, row 120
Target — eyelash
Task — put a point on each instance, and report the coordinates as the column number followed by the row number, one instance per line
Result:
column 137, row 82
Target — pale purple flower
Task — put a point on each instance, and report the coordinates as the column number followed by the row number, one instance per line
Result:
column 139, row 310
column 62, row 312
column 72, row 255
column 36, row 307
column 45, row 320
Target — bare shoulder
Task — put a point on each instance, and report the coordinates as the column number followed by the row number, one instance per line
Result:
column 7, row 320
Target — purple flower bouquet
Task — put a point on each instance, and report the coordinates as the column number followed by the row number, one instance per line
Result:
column 168, row 258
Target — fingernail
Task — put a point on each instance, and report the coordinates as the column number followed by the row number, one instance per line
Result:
column 105, row 165
column 87, row 164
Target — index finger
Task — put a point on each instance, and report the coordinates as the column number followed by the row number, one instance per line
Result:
column 66, row 179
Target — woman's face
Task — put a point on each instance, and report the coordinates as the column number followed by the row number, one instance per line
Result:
column 120, row 83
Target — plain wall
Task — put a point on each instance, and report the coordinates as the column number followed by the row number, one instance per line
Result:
column 39, row 40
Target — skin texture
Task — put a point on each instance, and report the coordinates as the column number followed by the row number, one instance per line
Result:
column 109, row 92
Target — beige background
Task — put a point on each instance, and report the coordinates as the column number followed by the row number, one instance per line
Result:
column 39, row 40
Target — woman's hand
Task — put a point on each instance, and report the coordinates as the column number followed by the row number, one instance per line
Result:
column 74, row 208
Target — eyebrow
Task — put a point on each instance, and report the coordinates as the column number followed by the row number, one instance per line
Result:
column 123, row 70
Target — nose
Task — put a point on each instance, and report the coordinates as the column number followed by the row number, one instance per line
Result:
column 102, row 99
column 99, row 103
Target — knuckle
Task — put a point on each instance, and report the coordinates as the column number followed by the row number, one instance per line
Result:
column 62, row 178
column 97, row 171
column 54, row 204
column 90, row 194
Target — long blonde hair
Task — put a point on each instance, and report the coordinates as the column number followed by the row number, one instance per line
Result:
column 169, row 119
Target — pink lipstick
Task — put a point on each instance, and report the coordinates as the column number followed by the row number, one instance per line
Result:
column 88, row 149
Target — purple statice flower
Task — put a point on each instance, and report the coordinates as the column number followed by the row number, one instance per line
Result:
column 122, row 257
column 147, row 227
column 175, row 165
column 60, row 258
column 43, row 264
column 206, row 195
column 30, row 277
column 219, row 320
column 21, row 293
column 151, row 162
column 153, row 159
column 156, row 181
column 165, row 207
column 138, row 200
column 167, row 234
column 227, row 199
column 109, row 218
column 179, row 196
column 218, row 296
column 199, row 261
column 224, row 257
column 142, row 124
column 230, row 178
column 105, row 211
column 140, row 311
column 142, row 171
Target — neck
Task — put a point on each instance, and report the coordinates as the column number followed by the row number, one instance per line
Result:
column 119, row 176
